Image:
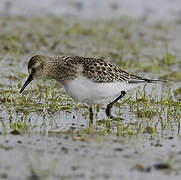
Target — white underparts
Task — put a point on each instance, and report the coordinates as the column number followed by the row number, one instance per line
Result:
column 89, row 92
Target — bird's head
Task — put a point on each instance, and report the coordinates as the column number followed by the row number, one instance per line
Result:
column 35, row 69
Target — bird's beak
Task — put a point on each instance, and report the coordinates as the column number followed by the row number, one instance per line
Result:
column 30, row 78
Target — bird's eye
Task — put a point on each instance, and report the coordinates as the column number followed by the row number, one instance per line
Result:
column 33, row 69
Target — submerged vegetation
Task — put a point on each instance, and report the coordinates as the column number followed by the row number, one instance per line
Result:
column 44, row 106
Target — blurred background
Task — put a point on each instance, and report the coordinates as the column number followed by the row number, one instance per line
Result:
column 164, row 9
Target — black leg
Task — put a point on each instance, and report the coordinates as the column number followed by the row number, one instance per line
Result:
column 91, row 115
column 109, row 106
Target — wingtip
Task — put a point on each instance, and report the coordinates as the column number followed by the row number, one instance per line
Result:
column 162, row 81
column 165, row 81
column 139, row 79
column 155, row 80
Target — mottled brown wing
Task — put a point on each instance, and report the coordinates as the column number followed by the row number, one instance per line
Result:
column 100, row 71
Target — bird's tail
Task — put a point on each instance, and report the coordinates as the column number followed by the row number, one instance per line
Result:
column 155, row 80
column 138, row 79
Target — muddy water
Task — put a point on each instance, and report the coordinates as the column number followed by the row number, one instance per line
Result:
column 59, row 157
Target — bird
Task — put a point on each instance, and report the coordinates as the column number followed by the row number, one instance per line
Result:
column 85, row 79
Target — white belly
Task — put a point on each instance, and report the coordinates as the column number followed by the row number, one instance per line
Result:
column 86, row 91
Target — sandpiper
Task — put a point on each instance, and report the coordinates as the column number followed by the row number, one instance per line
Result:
column 87, row 80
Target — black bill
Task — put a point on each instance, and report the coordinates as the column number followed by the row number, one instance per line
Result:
column 30, row 78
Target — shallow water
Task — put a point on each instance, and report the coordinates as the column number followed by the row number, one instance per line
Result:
column 59, row 157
